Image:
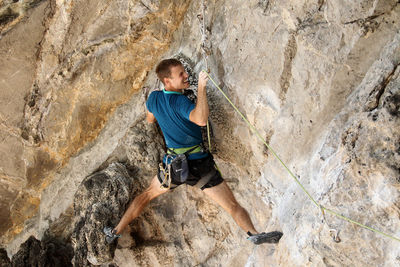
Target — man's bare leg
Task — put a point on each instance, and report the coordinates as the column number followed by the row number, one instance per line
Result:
column 139, row 203
column 225, row 198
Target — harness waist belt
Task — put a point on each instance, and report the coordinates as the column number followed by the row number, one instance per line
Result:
column 182, row 150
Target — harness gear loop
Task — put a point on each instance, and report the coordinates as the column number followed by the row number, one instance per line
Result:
column 166, row 173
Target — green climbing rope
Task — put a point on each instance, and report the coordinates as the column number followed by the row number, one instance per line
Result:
column 291, row 173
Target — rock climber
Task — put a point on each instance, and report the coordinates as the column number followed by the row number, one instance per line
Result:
column 186, row 162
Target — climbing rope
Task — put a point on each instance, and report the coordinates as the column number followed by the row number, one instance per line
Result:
column 206, row 51
column 205, row 44
column 322, row 208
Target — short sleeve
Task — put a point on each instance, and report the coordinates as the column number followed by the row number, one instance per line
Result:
column 185, row 106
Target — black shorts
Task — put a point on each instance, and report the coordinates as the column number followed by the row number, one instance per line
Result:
column 198, row 168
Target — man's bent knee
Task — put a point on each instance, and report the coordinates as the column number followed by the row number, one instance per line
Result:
column 235, row 208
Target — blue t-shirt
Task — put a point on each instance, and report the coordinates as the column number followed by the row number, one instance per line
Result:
column 172, row 109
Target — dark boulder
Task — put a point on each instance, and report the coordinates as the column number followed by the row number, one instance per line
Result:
column 100, row 201
column 4, row 260
column 50, row 252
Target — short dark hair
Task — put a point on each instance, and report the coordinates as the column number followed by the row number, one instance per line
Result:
column 163, row 68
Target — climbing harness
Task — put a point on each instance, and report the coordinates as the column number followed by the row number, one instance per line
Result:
column 333, row 232
column 175, row 160
column 179, row 162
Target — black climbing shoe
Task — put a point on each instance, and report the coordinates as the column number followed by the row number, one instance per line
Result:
column 110, row 234
column 271, row 237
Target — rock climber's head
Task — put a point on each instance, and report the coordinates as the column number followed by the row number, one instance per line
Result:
column 172, row 74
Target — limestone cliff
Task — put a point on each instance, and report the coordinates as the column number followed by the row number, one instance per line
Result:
column 319, row 79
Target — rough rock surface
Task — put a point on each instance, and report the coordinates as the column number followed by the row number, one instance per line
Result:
column 46, row 253
column 81, row 60
column 318, row 79
column 100, row 201
column 4, row 259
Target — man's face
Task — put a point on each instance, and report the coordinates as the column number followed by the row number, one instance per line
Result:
column 178, row 79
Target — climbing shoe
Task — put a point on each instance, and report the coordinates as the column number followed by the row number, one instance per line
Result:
column 271, row 237
column 110, row 234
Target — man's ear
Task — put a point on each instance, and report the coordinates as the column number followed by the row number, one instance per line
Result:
column 166, row 82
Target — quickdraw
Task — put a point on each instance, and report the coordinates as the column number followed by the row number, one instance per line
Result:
column 165, row 172
column 332, row 232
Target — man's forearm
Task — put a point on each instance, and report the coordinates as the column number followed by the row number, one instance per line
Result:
column 202, row 109
column 199, row 114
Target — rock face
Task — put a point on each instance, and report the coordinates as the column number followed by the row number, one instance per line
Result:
column 4, row 260
column 99, row 202
column 73, row 80
column 319, row 79
column 48, row 252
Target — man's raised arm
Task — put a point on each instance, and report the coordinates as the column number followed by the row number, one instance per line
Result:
column 199, row 114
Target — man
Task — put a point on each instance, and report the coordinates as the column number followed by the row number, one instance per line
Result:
column 180, row 122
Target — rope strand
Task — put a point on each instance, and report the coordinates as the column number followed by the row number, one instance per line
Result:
column 206, row 51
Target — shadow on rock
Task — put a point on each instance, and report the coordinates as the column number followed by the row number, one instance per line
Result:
column 4, row 260
column 49, row 252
